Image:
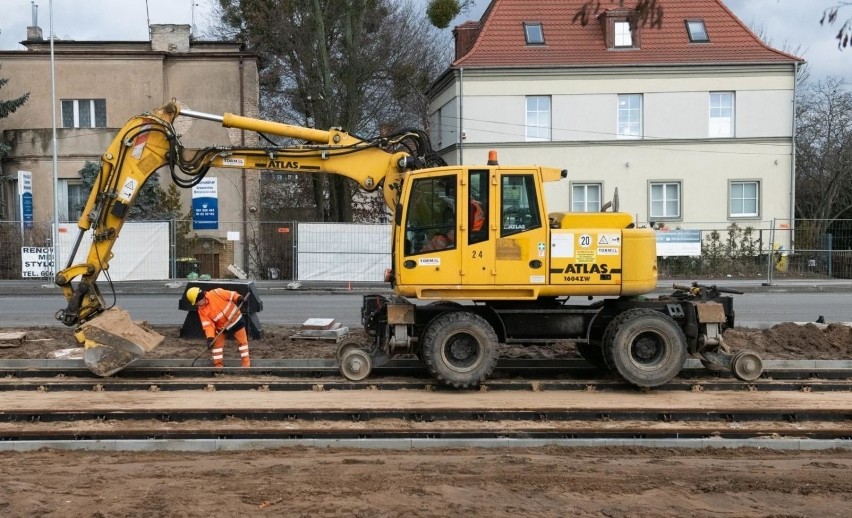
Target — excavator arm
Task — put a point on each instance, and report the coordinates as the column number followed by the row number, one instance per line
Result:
column 150, row 142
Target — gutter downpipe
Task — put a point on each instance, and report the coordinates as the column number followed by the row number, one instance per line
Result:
column 793, row 157
column 461, row 119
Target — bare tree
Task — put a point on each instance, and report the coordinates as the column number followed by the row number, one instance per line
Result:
column 824, row 152
column 829, row 17
column 357, row 64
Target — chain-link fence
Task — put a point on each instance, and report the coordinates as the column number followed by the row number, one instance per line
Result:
column 288, row 250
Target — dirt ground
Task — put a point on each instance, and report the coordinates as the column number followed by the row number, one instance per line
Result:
column 781, row 342
column 548, row 481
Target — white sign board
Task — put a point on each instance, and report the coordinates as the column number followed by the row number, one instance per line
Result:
column 37, row 262
column 671, row 243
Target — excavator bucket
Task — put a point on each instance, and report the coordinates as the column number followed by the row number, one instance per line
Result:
column 111, row 341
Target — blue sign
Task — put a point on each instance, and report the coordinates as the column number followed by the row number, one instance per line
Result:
column 25, row 191
column 205, row 205
column 27, row 209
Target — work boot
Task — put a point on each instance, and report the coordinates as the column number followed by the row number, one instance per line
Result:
column 246, row 361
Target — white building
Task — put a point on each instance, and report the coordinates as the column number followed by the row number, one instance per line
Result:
column 691, row 119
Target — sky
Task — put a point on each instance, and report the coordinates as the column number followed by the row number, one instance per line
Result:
column 790, row 25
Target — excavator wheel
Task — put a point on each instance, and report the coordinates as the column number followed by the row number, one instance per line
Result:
column 746, row 366
column 345, row 346
column 645, row 347
column 459, row 349
column 356, row 364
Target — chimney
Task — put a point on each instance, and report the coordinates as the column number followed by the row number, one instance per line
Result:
column 465, row 36
column 170, row 38
column 34, row 31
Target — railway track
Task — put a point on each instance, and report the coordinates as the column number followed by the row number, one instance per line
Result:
column 60, row 403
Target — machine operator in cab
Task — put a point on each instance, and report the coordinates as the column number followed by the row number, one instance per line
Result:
column 219, row 313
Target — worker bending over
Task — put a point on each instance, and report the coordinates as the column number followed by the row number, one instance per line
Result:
column 219, row 312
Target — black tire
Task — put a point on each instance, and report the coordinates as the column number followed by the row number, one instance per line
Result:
column 592, row 354
column 459, row 349
column 645, row 347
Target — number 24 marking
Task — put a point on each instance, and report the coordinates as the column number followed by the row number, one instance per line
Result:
column 476, row 254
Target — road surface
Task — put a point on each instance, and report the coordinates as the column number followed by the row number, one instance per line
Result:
column 292, row 308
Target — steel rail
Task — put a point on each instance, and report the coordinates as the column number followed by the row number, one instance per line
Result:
column 247, row 381
column 318, row 368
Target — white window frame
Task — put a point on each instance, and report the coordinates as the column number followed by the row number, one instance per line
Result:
column 629, row 117
column 738, row 202
column 697, row 31
column 534, row 33
column 722, row 114
column 665, row 193
column 538, row 118
column 622, row 35
column 585, row 204
column 79, row 106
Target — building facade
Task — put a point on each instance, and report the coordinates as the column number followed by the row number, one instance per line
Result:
column 102, row 84
column 690, row 119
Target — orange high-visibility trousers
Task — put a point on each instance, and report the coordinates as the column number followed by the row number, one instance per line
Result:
column 219, row 348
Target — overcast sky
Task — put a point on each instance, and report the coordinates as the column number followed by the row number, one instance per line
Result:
column 789, row 24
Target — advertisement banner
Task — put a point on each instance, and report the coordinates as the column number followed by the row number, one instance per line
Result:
column 25, row 193
column 205, row 205
column 37, row 262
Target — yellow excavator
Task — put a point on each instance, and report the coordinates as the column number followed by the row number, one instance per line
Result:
column 477, row 260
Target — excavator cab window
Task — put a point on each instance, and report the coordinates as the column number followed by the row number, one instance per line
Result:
column 431, row 221
column 519, row 205
column 478, row 209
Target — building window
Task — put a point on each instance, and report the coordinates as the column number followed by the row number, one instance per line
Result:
column 533, row 33
column 665, row 201
column 721, row 114
column 630, row 116
column 623, row 35
column 697, row 31
column 745, row 198
column 84, row 113
column 586, row 197
column 73, row 196
column 538, row 117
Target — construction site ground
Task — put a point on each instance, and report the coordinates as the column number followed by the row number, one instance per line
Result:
column 546, row 481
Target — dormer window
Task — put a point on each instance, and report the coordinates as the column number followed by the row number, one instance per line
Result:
column 533, row 33
column 622, row 34
column 697, row 31
column 619, row 33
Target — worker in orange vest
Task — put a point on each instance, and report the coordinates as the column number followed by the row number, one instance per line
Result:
column 477, row 215
column 440, row 241
column 219, row 312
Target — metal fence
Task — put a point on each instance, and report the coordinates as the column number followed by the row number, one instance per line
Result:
column 774, row 250
column 273, row 250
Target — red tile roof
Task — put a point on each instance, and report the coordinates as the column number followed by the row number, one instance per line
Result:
column 501, row 43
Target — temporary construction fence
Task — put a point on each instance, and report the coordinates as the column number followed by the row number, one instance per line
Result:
column 349, row 252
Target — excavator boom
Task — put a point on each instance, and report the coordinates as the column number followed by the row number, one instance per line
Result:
column 148, row 143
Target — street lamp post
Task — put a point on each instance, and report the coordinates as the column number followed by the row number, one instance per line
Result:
column 55, row 233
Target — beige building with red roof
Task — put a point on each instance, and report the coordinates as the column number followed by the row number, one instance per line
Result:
column 691, row 118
